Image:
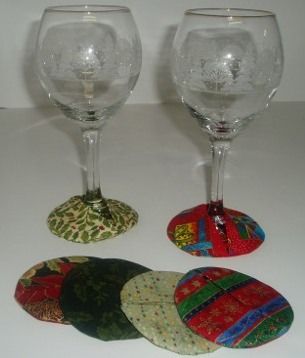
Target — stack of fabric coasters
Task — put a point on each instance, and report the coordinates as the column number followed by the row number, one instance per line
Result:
column 193, row 313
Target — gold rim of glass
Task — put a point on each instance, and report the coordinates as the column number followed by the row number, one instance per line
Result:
column 87, row 8
column 229, row 12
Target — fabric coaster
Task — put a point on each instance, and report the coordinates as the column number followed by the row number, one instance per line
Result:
column 91, row 301
column 79, row 222
column 230, row 308
column 148, row 302
column 194, row 232
column 38, row 289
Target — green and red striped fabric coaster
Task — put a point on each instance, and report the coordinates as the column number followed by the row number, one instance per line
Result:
column 230, row 308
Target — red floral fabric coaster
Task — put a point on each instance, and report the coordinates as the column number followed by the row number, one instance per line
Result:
column 230, row 308
column 194, row 232
column 38, row 289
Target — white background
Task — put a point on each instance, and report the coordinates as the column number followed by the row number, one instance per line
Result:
column 157, row 21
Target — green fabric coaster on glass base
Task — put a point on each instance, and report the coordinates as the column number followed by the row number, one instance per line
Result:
column 77, row 221
column 148, row 302
column 90, row 298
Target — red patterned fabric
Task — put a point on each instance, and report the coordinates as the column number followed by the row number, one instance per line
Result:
column 230, row 308
column 39, row 288
column 195, row 232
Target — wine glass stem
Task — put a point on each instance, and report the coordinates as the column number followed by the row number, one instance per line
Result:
column 220, row 149
column 93, row 194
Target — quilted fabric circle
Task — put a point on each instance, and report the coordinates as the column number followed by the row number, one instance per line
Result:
column 230, row 308
column 79, row 222
column 90, row 298
column 38, row 289
column 148, row 302
column 194, row 232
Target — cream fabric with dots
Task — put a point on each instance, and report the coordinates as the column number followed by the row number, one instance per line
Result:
column 148, row 302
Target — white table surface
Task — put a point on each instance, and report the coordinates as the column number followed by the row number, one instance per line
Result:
column 155, row 158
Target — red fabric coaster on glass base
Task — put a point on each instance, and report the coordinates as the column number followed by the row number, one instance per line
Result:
column 194, row 231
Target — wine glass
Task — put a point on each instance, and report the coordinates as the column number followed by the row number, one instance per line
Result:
column 226, row 65
column 88, row 59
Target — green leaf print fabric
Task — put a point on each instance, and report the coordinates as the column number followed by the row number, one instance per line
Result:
column 90, row 298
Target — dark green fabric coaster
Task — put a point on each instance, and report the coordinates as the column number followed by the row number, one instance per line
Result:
column 90, row 298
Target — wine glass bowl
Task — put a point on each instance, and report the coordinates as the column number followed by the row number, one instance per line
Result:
column 88, row 59
column 226, row 65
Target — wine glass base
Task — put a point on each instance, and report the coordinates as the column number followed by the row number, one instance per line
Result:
column 195, row 232
column 77, row 221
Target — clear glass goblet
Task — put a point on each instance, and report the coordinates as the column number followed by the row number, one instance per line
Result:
column 88, row 59
column 226, row 66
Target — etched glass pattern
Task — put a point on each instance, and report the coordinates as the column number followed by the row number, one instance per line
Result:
column 225, row 75
column 88, row 66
